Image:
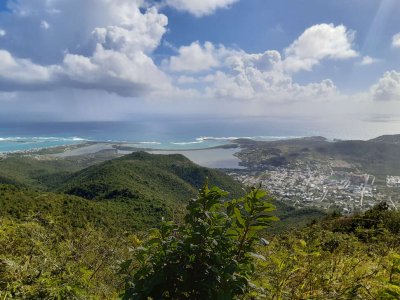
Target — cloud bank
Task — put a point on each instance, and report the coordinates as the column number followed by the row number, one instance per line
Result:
column 268, row 76
column 111, row 51
column 110, row 47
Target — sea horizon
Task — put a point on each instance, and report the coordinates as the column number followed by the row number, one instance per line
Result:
column 179, row 133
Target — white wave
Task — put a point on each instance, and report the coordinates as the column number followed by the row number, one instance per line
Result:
column 212, row 138
column 150, row 143
column 35, row 139
column 78, row 139
column 276, row 138
column 232, row 138
column 204, row 139
column 186, row 143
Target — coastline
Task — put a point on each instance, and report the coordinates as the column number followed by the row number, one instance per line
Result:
column 25, row 144
column 222, row 156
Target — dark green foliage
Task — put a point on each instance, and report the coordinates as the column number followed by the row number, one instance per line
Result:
column 149, row 186
column 374, row 224
column 5, row 180
column 290, row 217
column 136, row 190
column 210, row 256
column 166, row 177
column 58, row 246
column 129, row 193
column 64, row 247
column 111, row 216
column 331, row 260
column 42, row 258
column 31, row 172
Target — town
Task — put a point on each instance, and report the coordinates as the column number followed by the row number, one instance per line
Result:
column 319, row 186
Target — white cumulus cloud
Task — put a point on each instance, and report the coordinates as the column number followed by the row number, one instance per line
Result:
column 132, row 74
column 387, row 88
column 368, row 60
column 396, row 40
column 107, row 47
column 107, row 70
column 196, row 58
column 44, row 25
column 110, row 46
column 22, row 74
column 252, row 76
column 268, row 76
column 200, row 7
column 260, row 76
column 322, row 41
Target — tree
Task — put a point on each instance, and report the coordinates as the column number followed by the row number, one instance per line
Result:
column 210, row 256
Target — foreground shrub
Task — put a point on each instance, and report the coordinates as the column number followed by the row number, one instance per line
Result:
column 210, row 256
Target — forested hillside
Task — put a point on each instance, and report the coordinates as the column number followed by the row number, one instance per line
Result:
column 82, row 238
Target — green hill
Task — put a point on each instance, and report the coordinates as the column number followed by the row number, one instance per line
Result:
column 145, row 176
column 68, row 229
column 132, row 192
column 378, row 158
column 41, row 172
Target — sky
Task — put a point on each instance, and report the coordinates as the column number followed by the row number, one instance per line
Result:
column 75, row 60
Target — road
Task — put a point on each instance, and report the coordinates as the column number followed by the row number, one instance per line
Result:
column 391, row 201
column 363, row 190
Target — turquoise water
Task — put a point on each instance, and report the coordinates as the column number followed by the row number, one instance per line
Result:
column 17, row 144
column 192, row 132
column 154, row 133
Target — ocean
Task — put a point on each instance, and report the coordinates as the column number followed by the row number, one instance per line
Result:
column 181, row 133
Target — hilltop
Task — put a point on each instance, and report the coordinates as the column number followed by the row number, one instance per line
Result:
column 391, row 139
column 135, row 190
column 380, row 156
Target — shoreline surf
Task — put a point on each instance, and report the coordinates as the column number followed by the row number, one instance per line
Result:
column 20, row 144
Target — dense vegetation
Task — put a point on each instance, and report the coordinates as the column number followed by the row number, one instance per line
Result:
column 132, row 192
column 340, row 258
column 57, row 243
column 142, row 175
column 129, row 193
column 210, row 256
column 44, row 257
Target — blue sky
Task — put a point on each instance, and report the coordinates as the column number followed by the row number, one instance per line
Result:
column 257, row 25
column 250, row 57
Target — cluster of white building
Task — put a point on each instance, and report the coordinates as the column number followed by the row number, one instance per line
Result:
column 393, row 181
column 321, row 188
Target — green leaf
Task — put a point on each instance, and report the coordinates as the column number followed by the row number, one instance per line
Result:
column 240, row 221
